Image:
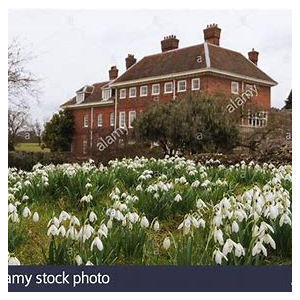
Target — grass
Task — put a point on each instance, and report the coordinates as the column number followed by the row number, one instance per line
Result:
column 30, row 147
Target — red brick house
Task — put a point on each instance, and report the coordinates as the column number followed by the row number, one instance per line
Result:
column 102, row 108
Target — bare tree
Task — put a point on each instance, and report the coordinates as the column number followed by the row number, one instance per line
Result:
column 17, row 121
column 37, row 129
column 22, row 85
column 21, row 82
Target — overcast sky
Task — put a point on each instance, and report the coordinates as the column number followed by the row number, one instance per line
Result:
column 77, row 47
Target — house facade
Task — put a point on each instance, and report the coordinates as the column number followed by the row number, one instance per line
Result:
column 102, row 109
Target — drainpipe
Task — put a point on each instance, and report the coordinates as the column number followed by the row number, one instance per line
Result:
column 116, row 107
column 91, row 130
column 174, row 89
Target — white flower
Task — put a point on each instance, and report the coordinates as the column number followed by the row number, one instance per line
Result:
column 78, row 260
column 285, row 219
column 103, row 230
column 219, row 256
column 52, row 230
column 269, row 240
column 13, row 261
column 228, row 246
column 11, row 208
column 64, row 216
column 14, row 217
column 89, row 263
column 74, row 221
column 177, row 198
column 62, row 231
column 92, row 217
column 259, row 247
column 156, row 226
column 218, row 236
column 218, row 219
column 26, row 212
column 239, row 250
column 166, row 243
column 234, row 227
column 98, row 243
column 35, row 217
column 109, row 224
column 200, row 204
column 144, row 222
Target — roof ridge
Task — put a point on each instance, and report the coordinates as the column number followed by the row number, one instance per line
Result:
column 173, row 50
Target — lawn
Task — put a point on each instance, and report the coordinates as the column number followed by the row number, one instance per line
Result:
column 30, row 147
column 170, row 211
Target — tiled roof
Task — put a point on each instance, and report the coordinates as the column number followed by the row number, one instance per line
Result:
column 186, row 59
column 92, row 95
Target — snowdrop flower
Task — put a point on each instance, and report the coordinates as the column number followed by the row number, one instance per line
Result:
column 234, row 226
column 35, row 217
column 89, row 263
column 14, row 217
column 156, row 226
column 274, row 211
column 26, row 212
column 269, row 240
column 78, row 260
column 74, row 221
column 62, row 231
column 182, row 180
column 103, row 230
column 63, row 216
column 166, row 243
column 109, row 224
column 218, row 236
column 52, row 230
column 11, row 208
column 13, row 261
column 219, row 256
column 25, row 198
column 72, row 233
column 195, row 184
column 239, row 250
column 98, row 243
column 144, row 222
column 285, row 219
column 259, row 247
column 92, row 217
column 88, row 185
column 228, row 246
column 218, row 219
column 177, row 198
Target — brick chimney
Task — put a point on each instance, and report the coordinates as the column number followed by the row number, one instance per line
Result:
column 253, row 56
column 113, row 73
column 130, row 61
column 169, row 43
column 212, row 34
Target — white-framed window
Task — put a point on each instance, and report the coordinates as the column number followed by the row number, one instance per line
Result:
column 86, row 121
column 112, row 119
column 234, row 87
column 132, row 92
column 79, row 98
column 106, row 94
column 195, row 84
column 168, row 87
column 122, row 93
column 100, row 120
column 132, row 116
column 84, row 146
column 144, row 91
column 181, row 86
column 122, row 119
column 155, row 89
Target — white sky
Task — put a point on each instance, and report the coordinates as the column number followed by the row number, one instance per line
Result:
column 77, row 47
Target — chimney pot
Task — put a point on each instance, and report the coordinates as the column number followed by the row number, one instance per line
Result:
column 169, row 42
column 212, row 34
column 253, row 56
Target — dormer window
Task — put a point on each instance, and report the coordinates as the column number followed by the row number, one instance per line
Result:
column 80, row 97
column 106, row 94
column 87, row 89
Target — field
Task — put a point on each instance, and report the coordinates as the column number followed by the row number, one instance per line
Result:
column 169, row 211
column 30, row 147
